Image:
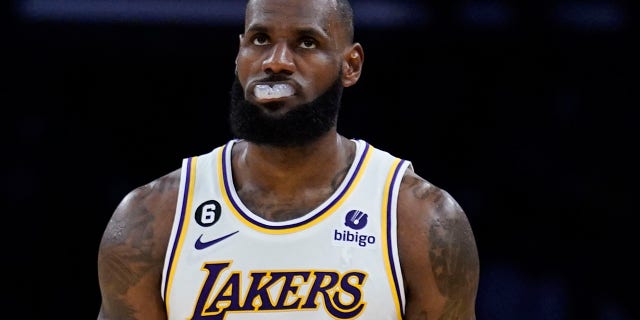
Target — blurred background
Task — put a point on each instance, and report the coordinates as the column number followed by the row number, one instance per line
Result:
column 525, row 111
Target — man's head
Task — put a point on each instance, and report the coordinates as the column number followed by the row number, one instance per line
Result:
column 294, row 55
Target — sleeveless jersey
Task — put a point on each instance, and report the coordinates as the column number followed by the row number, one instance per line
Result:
column 338, row 261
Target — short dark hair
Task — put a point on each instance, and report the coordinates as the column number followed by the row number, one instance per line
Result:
column 345, row 12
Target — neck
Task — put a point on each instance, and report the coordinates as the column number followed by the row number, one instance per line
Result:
column 272, row 180
column 271, row 166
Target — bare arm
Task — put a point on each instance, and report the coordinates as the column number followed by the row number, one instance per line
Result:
column 131, row 254
column 438, row 253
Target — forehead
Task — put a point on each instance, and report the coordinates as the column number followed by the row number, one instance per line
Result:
column 291, row 14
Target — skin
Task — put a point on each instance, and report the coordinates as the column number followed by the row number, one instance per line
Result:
column 303, row 40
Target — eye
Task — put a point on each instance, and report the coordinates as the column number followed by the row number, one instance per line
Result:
column 308, row 43
column 260, row 39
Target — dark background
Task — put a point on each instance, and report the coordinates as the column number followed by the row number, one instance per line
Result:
column 525, row 112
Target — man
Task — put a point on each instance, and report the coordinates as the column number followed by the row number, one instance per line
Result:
column 291, row 220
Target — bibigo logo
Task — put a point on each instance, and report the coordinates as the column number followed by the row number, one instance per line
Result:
column 355, row 220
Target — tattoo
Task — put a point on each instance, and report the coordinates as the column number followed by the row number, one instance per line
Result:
column 277, row 213
column 452, row 251
column 337, row 180
column 454, row 258
column 128, row 258
column 281, row 210
column 420, row 188
column 297, row 207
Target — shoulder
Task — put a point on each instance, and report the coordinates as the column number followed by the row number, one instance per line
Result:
column 421, row 200
column 430, row 210
column 437, row 249
column 150, row 202
column 132, row 249
column 143, row 219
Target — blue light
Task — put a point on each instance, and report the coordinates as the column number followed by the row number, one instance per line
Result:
column 487, row 14
column 199, row 12
column 590, row 16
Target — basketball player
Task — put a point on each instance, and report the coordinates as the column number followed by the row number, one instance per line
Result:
column 290, row 219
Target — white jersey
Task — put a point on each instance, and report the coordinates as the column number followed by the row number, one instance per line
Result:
column 338, row 261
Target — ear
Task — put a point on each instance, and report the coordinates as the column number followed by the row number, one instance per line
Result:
column 352, row 65
column 240, row 38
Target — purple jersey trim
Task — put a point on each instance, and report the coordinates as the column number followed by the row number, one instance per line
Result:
column 183, row 211
column 392, row 254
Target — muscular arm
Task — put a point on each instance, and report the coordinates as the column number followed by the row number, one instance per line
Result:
column 438, row 253
column 131, row 254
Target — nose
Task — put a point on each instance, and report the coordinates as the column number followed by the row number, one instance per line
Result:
column 279, row 60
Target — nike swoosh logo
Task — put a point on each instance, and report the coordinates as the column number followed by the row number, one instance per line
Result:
column 203, row 245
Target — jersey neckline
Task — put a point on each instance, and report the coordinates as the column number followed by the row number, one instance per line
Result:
column 363, row 151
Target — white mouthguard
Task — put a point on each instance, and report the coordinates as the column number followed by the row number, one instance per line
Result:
column 263, row 91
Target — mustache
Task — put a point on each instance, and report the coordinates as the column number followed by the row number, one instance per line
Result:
column 274, row 78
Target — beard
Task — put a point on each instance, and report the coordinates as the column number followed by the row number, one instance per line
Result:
column 297, row 127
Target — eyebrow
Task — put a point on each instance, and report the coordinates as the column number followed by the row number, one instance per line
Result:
column 314, row 32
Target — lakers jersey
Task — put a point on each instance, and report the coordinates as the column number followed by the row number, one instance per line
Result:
column 339, row 261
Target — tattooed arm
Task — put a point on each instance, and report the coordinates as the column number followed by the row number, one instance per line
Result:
column 131, row 254
column 438, row 253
